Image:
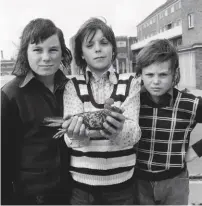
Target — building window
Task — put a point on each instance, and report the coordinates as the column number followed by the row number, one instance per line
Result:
column 172, row 9
column 190, row 21
column 179, row 5
column 166, row 13
column 121, row 44
column 168, row 26
column 179, row 42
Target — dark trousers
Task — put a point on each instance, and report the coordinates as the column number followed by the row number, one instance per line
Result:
column 100, row 195
column 56, row 196
column 174, row 191
column 42, row 200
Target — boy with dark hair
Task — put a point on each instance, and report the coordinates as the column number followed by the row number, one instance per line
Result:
column 32, row 161
column 101, row 165
column 167, row 117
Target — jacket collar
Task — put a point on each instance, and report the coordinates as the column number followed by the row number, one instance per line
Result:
column 60, row 79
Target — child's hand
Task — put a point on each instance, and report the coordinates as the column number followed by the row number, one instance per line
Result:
column 76, row 132
column 74, row 127
column 113, row 125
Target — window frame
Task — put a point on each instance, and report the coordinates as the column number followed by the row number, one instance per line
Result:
column 190, row 17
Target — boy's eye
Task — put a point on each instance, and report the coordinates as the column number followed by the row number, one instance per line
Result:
column 163, row 75
column 104, row 42
column 89, row 45
column 37, row 50
column 149, row 75
column 53, row 49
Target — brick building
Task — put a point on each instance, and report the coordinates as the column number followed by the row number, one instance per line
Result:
column 180, row 21
column 6, row 65
column 124, row 55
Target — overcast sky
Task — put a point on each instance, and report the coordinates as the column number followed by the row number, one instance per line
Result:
column 122, row 15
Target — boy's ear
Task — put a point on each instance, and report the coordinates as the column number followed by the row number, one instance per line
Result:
column 176, row 77
column 142, row 83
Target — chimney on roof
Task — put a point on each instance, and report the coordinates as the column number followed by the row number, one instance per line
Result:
column 2, row 54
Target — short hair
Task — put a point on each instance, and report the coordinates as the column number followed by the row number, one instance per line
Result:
column 38, row 30
column 90, row 27
column 158, row 51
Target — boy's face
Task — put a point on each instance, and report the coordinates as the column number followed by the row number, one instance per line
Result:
column 158, row 79
column 44, row 58
column 97, row 52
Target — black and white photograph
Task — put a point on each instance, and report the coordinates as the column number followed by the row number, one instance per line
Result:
column 101, row 102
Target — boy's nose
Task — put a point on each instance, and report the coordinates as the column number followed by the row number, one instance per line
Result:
column 156, row 80
column 97, row 47
column 46, row 56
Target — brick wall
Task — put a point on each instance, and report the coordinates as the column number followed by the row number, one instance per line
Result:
column 191, row 36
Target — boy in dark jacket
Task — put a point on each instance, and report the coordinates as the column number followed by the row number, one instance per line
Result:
column 32, row 168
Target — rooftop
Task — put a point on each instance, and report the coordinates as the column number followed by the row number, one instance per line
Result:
column 160, row 8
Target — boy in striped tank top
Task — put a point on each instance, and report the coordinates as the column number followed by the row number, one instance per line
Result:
column 102, row 162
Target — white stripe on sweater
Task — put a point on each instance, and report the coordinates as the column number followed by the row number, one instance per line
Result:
column 103, row 163
column 102, row 180
column 102, row 146
column 172, row 130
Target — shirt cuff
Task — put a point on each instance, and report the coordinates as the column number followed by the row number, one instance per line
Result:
column 76, row 143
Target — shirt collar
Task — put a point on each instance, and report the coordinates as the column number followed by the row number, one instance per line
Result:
column 29, row 76
column 165, row 100
column 60, row 79
column 109, row 74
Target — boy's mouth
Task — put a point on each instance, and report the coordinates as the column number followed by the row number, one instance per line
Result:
column 156, row 89
column 97, row 58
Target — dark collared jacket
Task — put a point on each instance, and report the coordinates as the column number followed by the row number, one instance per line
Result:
column 31, row 158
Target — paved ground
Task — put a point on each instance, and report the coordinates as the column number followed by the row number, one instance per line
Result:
column 195, row 196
